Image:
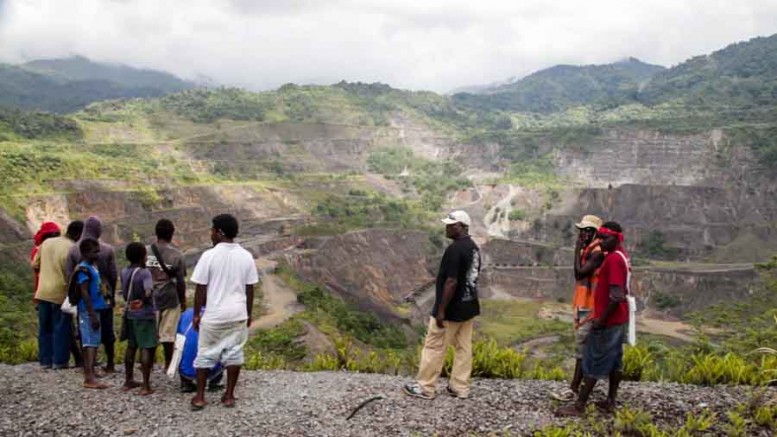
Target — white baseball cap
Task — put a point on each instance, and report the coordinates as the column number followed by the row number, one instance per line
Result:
column 457, row 217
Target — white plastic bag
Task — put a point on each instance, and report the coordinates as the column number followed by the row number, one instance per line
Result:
column 67, row 308
column 180, row 341
column 632, row 334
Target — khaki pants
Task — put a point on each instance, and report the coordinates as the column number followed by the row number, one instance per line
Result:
column 456, row 334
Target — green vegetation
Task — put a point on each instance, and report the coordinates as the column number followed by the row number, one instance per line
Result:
column 664, row 301
column 67, row 85
column 739, row 75
column 517, row 215
column 653, row 246
column 432, row 180
column 322, row 308
column 360, row 209
column 38, row 167
column 280, row 342
column 563, row 86
column 15, row 125
column 17, row 325
column 751, row 418
column 512, row 322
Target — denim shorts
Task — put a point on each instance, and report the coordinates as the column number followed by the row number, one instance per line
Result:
column 89, row 337
column 604, row 351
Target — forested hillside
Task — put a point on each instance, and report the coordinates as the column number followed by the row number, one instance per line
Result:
column 66, row 85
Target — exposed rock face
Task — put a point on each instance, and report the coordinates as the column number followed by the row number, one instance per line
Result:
column 706, row 195
column 524, row 253
column 375, row 268
column 696, row 221
column 643, row 157
column 130, row 214
column 12, row 232
column 692, row 289
column 316, row 147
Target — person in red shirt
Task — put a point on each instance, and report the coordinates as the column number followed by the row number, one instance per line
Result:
column 603, row 355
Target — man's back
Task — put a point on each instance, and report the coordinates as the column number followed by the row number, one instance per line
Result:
column 51, row 259
column 461, row 260
column 165, row 292
column 226, row 269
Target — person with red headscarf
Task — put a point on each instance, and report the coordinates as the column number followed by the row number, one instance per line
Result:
column 603, row 355
column 46, row 231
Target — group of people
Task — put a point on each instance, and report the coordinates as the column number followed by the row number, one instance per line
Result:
column 154, row 294
column 600, row 312
column 77, row 269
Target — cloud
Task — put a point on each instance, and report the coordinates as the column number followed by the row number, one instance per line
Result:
column 433, row 44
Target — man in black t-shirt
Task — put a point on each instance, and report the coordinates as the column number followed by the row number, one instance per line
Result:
column 455, row 307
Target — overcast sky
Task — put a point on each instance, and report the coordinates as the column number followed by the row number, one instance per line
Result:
column 414, row 44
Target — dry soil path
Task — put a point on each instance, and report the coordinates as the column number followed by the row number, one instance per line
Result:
column 279, row 301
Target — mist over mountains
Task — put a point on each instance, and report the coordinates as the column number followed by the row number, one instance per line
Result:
column 742, row 74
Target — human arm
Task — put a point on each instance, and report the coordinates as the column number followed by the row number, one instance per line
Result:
column 249, row 302
column 617, row 297
column 35, row 263
column 148, row 283
column 112, row 276
column 180, row 287
column 200, row 297
column 251, row 278
column 71, row 261
column 448, row 291
column 201, row 278
column 584, row 270
column 93, row 319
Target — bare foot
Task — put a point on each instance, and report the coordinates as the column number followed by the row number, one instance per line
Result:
column 96, row 385
column 228, row 402
column 109, row 369
column 129, row 385
column 145, row 391
column 197, row 404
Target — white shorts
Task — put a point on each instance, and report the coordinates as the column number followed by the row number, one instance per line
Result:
column 222, row 343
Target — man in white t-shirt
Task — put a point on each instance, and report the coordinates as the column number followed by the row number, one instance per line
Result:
column 225, row 276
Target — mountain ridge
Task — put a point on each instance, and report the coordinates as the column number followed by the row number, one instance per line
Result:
column 69, row 84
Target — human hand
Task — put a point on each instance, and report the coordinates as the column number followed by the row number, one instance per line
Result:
column 196, row 323
column 440, row 319
column 94, row 321
column 183, row 306
column 248, row 322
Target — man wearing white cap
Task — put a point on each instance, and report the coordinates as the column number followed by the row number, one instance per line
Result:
column 455, row 307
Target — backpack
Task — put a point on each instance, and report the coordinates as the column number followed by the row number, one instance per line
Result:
column 73, row 288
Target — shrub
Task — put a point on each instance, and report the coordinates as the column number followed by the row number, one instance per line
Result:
column 517, row 215
column 638, row 362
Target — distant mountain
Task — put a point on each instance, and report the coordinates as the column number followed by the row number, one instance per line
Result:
column 78, row 68
column 742, row 74
column 66, row 85
column 563, row 86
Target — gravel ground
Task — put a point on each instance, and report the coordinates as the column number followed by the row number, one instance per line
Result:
column 38, row 402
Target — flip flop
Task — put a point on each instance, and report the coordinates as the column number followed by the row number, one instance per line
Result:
column 196, row 407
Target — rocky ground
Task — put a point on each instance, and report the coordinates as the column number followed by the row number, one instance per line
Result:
column 37, row 402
